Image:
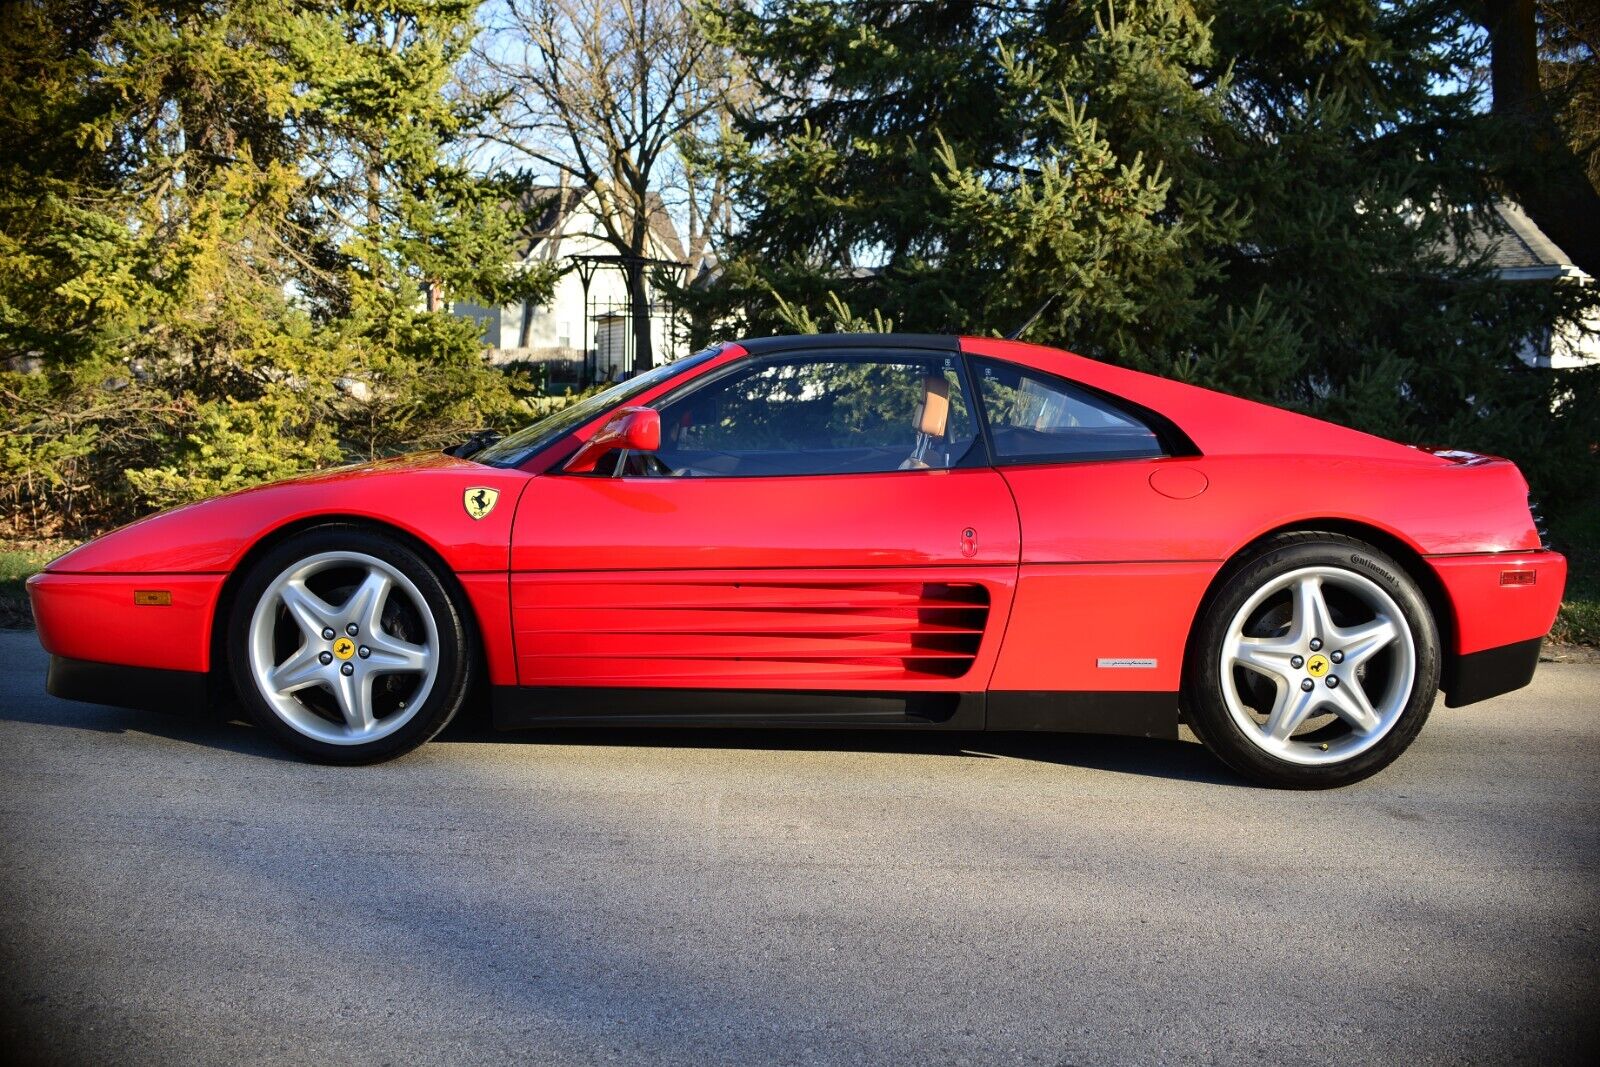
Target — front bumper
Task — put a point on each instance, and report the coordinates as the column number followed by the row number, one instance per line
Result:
column 95, row 618
column 122, row 686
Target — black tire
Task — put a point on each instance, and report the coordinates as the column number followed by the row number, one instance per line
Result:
column 1204, row 700
column 456, row 658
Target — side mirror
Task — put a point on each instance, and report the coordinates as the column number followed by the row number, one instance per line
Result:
column 635, row 429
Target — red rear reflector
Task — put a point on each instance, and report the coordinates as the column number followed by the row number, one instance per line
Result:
column 152, row 598
column 1518, row 577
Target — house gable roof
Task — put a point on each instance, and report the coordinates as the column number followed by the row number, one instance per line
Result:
column 1515, row 246
column 562, row 201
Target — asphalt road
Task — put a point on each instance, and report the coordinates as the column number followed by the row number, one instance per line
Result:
column 177, row 891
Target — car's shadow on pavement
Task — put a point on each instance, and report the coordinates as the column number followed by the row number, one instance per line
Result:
column 221, row 728
column 227, row 729
column 1181, row 760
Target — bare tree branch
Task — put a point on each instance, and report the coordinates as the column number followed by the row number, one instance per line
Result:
column 605, row 92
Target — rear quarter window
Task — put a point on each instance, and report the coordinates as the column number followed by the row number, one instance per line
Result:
column 1037, row 417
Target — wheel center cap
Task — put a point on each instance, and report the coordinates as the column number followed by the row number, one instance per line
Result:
column 344, row 648
column 1316, row 666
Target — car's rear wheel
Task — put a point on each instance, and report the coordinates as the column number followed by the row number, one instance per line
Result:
column 1315, row 665
column 347, row 646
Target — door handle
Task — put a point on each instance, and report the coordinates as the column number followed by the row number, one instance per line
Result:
column 969, row 542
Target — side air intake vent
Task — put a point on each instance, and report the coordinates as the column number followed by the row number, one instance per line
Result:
column 669, row 631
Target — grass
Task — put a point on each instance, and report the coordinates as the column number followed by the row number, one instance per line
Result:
column 1576, row 533
column 20, row 560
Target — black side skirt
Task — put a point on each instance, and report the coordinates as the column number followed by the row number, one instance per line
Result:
column 515, row 708
column 1132, row 714
column 1481, row 675
column 121, row 686
column 1135, row 714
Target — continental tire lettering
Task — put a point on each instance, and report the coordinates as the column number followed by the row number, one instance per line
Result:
column 1363, row 561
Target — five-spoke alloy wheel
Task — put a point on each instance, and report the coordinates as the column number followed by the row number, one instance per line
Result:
column 1315, row 665
column 348, row 646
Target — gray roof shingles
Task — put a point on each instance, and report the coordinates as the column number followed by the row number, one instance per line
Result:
column 1513, row 242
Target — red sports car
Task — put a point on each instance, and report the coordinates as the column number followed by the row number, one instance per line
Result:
column 891, row 531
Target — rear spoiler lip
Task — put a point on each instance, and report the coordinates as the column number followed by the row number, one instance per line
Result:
column 1459, row 456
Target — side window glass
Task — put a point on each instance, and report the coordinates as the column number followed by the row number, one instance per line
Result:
column 820, row 415
column 1037, row 417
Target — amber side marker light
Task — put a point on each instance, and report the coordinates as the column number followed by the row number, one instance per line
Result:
column 157, row 598
column 1518, row 577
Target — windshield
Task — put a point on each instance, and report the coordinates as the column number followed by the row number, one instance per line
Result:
column 513, row 450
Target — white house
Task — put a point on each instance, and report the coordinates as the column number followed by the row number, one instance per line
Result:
column 584, row 332
column 1519, row 251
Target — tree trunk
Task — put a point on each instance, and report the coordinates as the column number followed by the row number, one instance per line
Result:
column 526, row 332
column 1548, row 180
column 639, row 308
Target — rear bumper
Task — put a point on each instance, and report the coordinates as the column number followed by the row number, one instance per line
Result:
column 127, row 687
column 1481, row 675
column 1503, row 598
column 94, row 617
column 1503, row 605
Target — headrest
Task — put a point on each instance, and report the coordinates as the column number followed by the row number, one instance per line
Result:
column 934, row 411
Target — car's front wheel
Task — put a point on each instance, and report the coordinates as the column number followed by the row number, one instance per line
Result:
column 1315, row 665
column 347, row 646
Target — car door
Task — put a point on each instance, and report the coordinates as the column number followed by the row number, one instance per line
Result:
column 815, row 519
column 1109, row 584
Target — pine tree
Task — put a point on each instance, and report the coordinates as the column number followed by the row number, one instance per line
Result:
column 220, row 223
column 1272, row 198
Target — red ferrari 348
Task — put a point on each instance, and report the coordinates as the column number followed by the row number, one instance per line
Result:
column 890, row 531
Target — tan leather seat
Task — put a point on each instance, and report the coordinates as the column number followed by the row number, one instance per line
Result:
column 932, row 415
column 934, row 411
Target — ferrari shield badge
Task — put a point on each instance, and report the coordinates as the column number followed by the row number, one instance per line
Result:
column 480, row 501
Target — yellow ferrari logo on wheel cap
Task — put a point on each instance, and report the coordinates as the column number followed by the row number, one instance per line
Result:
column 344, row 648
column 479, row 501
column 1317, row 666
